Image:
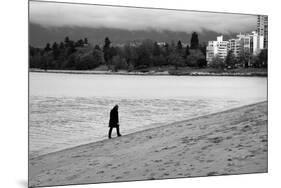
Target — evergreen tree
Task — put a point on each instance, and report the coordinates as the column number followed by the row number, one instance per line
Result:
column 61, row 45
column 187, row 51
column 79, row 43
column 66, row 41
column 156, row 49
column 203, row 48
column 55, row 46
column 167, row 50
column 194, row 42
column 175, row 59
column 55, row 50
column 217, row 63
column 98, row 56
column 71, row 49
column 179, row 46
column 172, row 46
column 85, row 41
column 179, row 49
column 47, row 48
column 263, row 58
column 230, row 59
column 97, row 47
column 106, row 50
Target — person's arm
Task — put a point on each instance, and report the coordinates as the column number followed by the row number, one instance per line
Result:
column 117, row 118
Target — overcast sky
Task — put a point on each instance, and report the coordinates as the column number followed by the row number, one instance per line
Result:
column 61, row 14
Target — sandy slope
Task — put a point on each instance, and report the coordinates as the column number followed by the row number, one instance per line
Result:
column 230, row 142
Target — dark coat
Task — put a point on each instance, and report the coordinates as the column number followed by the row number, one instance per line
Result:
column 114, row 120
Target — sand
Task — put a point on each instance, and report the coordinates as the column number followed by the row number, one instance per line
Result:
column 229, row 142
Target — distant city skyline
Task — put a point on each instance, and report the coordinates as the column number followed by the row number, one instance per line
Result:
column 53, row 14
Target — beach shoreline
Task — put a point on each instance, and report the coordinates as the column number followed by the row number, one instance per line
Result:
column 151, row 128
column 238, row 136
column 153, row 73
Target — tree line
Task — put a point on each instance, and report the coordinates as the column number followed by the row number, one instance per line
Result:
column 81, row 55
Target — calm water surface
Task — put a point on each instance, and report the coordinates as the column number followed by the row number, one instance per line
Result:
column 71, row 109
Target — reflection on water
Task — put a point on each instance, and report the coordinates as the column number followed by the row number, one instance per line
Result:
column 68, row 110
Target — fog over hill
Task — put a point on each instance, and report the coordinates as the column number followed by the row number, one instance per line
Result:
column 51, row 21
column 40, row 35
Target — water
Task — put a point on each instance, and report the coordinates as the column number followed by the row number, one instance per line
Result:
column 67, row 110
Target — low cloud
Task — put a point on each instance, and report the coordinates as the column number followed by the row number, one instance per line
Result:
column 50, row 14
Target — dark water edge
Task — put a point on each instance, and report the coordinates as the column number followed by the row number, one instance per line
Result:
column 155, row 73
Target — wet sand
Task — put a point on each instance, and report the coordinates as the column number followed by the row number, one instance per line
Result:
column 224, row 143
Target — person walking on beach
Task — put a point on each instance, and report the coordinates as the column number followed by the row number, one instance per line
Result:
column 114, row 121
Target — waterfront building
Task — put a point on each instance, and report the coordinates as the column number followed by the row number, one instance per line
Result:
column 250, row 43
column 235, row 46
column 216, row 48
column 262, row 30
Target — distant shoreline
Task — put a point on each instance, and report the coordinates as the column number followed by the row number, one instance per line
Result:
column 154, row 73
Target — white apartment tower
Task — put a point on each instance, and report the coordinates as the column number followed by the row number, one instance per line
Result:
column 262, row 30
column 250, row 43
column 235, row 46
column 216, row 48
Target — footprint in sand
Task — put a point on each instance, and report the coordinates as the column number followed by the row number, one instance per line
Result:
column 167, row 163
column 206, row 147
column 246, row 128
column 72, row 177
column 93, row 164
column 108, row 165
column 190, row 141
column 167, row 148
column 100, row 172
column 216, row 140
column 157, row 161
column 228, row 137
column 149, row 137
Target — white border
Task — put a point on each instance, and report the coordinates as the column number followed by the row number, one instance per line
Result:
column 13, row 77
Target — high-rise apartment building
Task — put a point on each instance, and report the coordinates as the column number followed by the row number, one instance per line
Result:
column 262, row 30
column 249, row 43
column 216, row 48
column 235, row 46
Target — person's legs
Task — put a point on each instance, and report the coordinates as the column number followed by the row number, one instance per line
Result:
column 110, row 131
column 118, row 133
